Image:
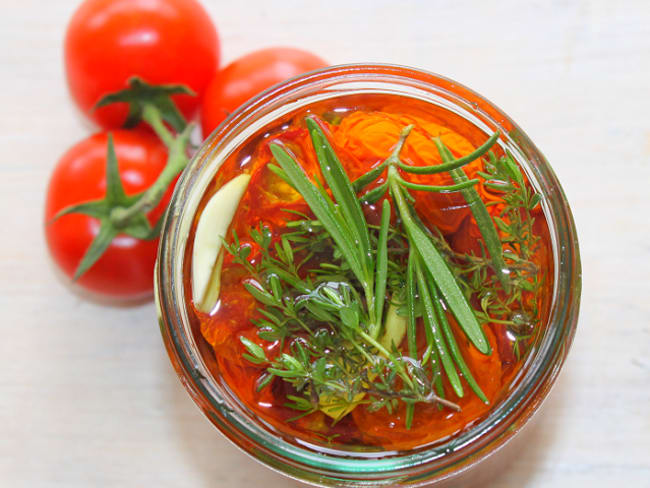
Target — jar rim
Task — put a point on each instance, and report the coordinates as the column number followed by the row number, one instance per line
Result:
column 440, row 460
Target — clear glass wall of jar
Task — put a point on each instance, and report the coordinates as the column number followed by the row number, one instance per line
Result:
column 459, row 458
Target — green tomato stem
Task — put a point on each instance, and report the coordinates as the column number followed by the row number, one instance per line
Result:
column 151, row 114
column 176, row 162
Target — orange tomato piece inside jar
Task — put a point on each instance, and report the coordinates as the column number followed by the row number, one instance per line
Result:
column 360, row 340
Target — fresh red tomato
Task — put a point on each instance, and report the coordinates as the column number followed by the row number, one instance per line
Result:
column 249, row 75
column 161, row 41
column 125, row 270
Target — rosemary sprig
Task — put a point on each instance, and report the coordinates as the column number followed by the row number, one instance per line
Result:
column 438, row 269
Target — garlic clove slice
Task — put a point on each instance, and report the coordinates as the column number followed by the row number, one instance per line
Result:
column 210, row 231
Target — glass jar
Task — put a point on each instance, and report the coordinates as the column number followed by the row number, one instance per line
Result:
column 443, row 463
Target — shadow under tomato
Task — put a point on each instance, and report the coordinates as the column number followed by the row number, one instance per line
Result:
column 97, row 298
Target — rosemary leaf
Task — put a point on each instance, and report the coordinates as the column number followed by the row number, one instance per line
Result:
column 441, row 274
column 410, row 304
column 451, row 165
column 321, row 208
column 453, row 346
column 462, row 185
column 481, row 215
column 342, row 190
column 364, row 180
column 372, row 196
column 431, row 323
column 382, row 268
column 410, row 410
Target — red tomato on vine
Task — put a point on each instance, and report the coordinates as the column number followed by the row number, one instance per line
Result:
column 160, row 41
column 125, row 269
column 249, row 75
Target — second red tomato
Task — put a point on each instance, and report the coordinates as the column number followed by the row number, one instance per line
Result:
column 125, row 270
column 249, row 75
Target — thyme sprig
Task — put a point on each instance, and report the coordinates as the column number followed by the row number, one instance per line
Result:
column 515, row 221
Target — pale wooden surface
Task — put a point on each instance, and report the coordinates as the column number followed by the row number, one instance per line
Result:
column 87, row 395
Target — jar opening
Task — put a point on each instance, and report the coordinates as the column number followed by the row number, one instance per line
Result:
column 304, row 460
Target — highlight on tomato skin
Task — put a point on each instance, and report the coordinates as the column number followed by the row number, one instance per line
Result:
column 161, row 41
column 248, row 76
column 125, row 271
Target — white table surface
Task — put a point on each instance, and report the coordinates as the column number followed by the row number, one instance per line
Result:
column 87, row 394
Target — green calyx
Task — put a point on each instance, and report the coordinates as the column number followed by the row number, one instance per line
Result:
column 140, row 95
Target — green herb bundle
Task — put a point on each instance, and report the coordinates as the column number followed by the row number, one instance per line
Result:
column 343, row 319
